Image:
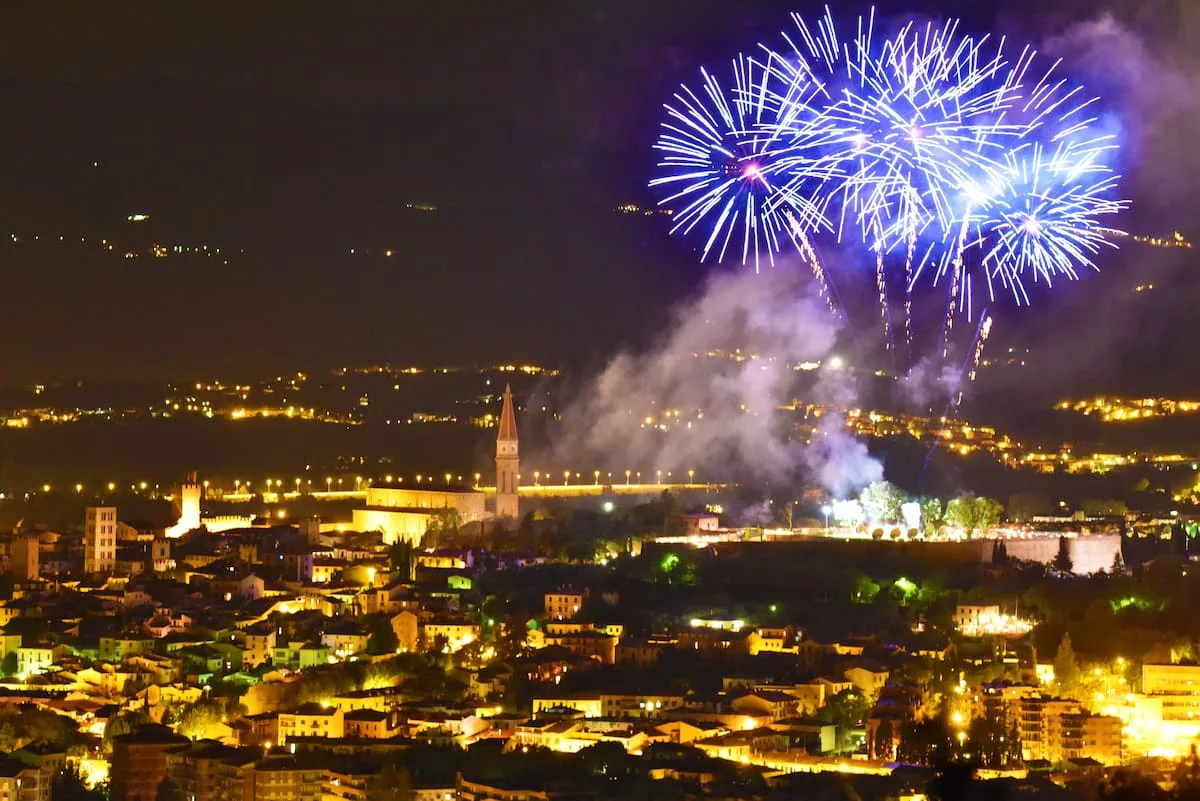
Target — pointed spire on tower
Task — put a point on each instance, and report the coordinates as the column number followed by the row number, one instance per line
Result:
column 508, row 419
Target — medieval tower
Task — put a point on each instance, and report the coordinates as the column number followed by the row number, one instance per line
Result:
column 508, row 461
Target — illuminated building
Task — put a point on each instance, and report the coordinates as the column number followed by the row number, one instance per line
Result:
column 405, row 514
column 100, row 539
column 982, row 620
column 312, row 720
column 207, row 771
column 287, row 778
column 508, row 462
column 588, row 705
column 1177, row 687
column 139, row 761
column 187, row 506
column 456, row 633
column 563, row 604
column 1057, row 729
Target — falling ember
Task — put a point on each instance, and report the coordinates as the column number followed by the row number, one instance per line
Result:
column 972, row 366
column 881, row 283
column 955, row 282
column 908, row 268
column 806, row 249
column 984, row 330
column 908, row 282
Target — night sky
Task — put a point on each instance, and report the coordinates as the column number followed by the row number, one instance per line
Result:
column 297, row 131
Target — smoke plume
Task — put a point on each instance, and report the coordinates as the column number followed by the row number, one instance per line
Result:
column 707, row 397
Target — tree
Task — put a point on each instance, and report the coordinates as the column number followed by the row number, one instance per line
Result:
column 1066, row 669
column 9, row 667
column 196, row 719
column 881, row 501
column 973, row 513
column 70, row 786
column 924, row 742
column 848, row 513
column 932, row 515
column 604, row 759
column 390, row 784
column 442, row 523
column 403, row 560
column 987, row 512
column 883, row 743
column 1062, row 560
column 845, row 711
column 382, row 639
column 122, row 723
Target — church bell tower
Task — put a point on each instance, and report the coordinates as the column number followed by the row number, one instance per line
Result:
column 508, row 461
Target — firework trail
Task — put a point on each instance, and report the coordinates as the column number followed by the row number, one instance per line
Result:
column 810, row 255
column 881, row 284
column 954, row 401
column 956, row 282
column 972, row 366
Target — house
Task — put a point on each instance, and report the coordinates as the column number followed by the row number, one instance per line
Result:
column 345, row 638
column 299, row 655
column 773, row 640
column 369, row 724
column 766, row 704
column 114, row 649
column 686, row 731
column 638, row 653
column 588, row 705
column 639, row 705
column 258, row 644
column 407, row 628
column 35, row 659
column 590, row 644
column 563, row 604
column 456, row 633
column 311, row 720
column 868, row 677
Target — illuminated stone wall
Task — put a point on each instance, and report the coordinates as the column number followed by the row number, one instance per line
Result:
column 1089, row 554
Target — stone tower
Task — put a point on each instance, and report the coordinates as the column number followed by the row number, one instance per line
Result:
column 187, row 506
column 508, row 461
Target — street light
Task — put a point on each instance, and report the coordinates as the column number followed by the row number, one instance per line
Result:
column 827, row 510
